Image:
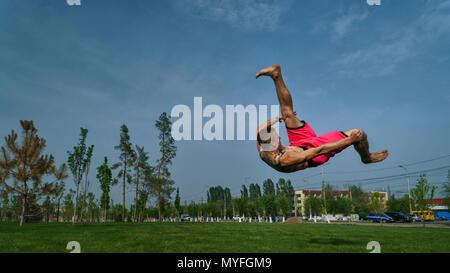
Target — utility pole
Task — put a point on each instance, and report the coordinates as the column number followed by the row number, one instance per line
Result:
column 201, row 208
column 295, row 203
column 323, row 193
column 350, row 192
column 303, row 203
column 224, row 205
column 409, row 188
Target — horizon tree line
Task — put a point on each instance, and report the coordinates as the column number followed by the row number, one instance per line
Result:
column 277, row 199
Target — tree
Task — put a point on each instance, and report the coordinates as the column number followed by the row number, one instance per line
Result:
column 84, row 196
column 26, row 165
column 268, row 187
column 68, row 204
column 375, row 203
column 60, row 175
column 255, row 191
column 193, row 209
column 283, row 204
column 399, row 204
column 141, row 166
column 244, row 199
column 244, row 192
column 177, row 202
column 54, row 189
column 127, row 158
column 163, row 184
column 104, row 177
column 6, row 165
column 359, row 201
column 78, row 162
column 143, row 198
column 285, row 196
column 215, row 194
column 313, row 205
column 92, row 206
column 228, row 205
column 59, row 193
column 47, row 190
column 422, row 195
column 5, row 200
column 268, row 202
column 239, row 205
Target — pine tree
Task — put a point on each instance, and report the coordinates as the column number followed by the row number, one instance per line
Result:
column 141, row 169
column 177, row 202
column 162, row 183
column 6, row 165
column 26, row 165
column 127, row 158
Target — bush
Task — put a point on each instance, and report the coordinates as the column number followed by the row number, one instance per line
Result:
column 363, row 215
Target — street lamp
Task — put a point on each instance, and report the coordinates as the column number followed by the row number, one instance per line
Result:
column 409, row 190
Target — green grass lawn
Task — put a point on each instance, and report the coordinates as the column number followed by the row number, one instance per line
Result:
column 219, row 237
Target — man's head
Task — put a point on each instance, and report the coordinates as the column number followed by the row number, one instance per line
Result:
column 268, row 140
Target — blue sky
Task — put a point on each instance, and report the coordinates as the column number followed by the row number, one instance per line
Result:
column 384, row 69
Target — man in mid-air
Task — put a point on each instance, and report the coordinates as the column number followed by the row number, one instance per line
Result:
column 306, row 149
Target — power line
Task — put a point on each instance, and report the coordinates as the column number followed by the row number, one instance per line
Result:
column 389, row 168
column 392, row 176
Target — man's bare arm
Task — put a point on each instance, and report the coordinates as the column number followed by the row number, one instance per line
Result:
column 292, row 158
column 267, row 125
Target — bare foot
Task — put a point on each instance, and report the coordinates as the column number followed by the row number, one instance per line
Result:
column 376, row 157
column 272, row 71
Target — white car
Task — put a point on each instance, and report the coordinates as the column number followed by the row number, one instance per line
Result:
column 185, row 218
column 316, row 219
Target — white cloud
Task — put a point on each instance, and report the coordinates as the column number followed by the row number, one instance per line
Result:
column 384, row 56
column 348, row 22
column 315, row 92
column 378, row 59
column 243, row 14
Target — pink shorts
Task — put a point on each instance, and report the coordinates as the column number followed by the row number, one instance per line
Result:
column 305, row 138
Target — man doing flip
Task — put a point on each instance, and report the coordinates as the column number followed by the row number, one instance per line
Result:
column 306, row 149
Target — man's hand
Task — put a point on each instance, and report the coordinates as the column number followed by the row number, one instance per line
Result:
column 356, row 136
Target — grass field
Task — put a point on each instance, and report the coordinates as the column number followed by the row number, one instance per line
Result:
column 220, row 237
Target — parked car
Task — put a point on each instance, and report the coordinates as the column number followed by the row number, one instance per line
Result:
column 185, row 218
column 240, row 218
column 316, row 218
column 278, row 219
column 442, row 215
column 399, row 217
column 414, row 217
column 379, row 217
